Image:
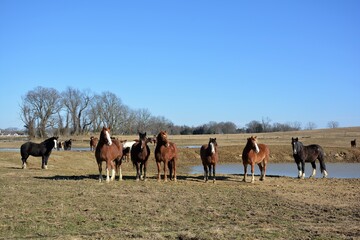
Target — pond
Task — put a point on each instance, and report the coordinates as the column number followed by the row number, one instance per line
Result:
column 335, row 170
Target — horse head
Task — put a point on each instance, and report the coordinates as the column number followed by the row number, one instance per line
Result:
column 142, row 140
column 162, row 138
column 105, row 135
column 252, row 144
column 212, row 145
column 296, row 145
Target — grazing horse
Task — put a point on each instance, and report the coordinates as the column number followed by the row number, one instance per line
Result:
column 140, row 153
column 110, row 151
column 308, row 153
column 67, row 144
column 93, row 142
column 166, row 152
column 255, row 153
column 152, row 140
column 209, row 157
column 127, row 145
column 353, row 143
column 60, row 145
column 42, row 150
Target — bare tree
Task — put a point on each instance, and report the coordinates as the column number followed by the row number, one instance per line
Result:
column 44, row 103
column 111, row 109
column 28, row 117
column 333, row 124
column 76, row 103
column 310, row 126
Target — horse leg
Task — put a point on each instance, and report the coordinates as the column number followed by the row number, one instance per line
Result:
column 118, row 169
column 46, row 161
column 313, row 170
column 112, row 164
column 205, row 173
column 137, row 171
column 261, row 171
column 303, row 169
column 43, row 162
column 100, row 172
column 145, row 166
column 23, row 159
column 299, row 169
column 252, row 172
column 214, row 179
column 174, row 169
column 245, row 172
column 323, row 167
column 165, row 166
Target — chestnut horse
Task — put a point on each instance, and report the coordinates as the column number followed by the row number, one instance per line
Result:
column 309, row 153
column 93, row 142
column 140, row 153
column 166, row 152
column 110, row 151
column 209, row 157
column 255, row 153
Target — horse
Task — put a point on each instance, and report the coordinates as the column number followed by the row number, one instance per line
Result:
column 60, row 145
column 67, row 144
column 140, row 153
column 166, row 152
column 353, row 143
column 127, row 145
column 209, row 157
column 152, row 140
column 110, row 151
column 255, row 153
column 42, row 150
column 93, row 142
column 308, row 153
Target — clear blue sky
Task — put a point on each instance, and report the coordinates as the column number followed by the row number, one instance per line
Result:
column 191, row 61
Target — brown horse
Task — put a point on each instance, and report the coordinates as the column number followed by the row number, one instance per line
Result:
column 255, row 153
column 209, row 157
column 110, row 151
column 166, row 152
column 93, row 142
column 140, row 153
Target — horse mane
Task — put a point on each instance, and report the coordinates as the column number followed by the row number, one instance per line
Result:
column 162, row 138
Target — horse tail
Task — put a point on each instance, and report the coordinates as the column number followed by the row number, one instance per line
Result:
column 321, row 158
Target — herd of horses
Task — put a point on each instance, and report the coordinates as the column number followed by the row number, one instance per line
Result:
column 113, row 152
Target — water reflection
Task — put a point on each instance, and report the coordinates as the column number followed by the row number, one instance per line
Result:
column 335, row 170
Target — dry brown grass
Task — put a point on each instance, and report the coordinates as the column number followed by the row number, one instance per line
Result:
column 67, row 201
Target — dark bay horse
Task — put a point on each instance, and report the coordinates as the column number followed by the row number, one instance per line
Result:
column 255, row 153
column 93, row 143
column 209, row 157
column 166, row 152
column 67, row 145
column 110, row 151
column 42, row 150
column 353, row 143
column 140, row 153
column 308, row 153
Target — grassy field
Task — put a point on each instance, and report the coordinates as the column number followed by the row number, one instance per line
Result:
column 66, row 201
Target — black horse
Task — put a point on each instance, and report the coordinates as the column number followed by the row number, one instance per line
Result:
column 38, row 150
column 308, row 153
column 67, row 145
column 140, row 153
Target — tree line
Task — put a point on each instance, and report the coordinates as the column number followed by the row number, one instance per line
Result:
column 47, row 111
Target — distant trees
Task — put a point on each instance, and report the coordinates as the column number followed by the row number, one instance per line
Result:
column 72, row 112
column 333, row 124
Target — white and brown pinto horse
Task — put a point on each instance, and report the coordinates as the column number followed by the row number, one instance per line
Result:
column 255, row 153
column 110, row 151
column 209, row 157
column 166, row 152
